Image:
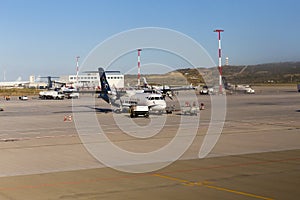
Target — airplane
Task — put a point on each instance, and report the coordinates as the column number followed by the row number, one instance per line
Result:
column 166, row 90
column 17, row 83
column 60, row 92
column 154, row 101
column 50, row 83
column 14, row 84
column 59, row 86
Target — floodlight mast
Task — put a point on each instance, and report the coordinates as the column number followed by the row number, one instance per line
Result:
column 77, row 69
column 139, row 67
column 220, row 60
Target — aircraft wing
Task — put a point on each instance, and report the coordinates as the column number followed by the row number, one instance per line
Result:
column 189, row 87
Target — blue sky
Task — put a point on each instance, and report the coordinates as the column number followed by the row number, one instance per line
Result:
column 43, row 37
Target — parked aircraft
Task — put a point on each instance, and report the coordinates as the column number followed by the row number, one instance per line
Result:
column 166, row 90
column 50, row 82
column 58, row 90
column 17, row 83
column 154, row 101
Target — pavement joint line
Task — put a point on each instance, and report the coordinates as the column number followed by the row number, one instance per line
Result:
column 233, row 165
column 37, row 137
column 209, row 185
column 69, row 183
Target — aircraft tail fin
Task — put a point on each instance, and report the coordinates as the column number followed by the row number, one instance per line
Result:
column 105, row 88
column 146, row 85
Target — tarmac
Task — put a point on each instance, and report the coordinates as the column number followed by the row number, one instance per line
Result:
column 47, row 151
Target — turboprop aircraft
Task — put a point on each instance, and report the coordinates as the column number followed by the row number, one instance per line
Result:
column 166, row 90
column 154, row 101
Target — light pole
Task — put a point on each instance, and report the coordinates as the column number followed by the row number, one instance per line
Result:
column 139, row 67
column 77, row 70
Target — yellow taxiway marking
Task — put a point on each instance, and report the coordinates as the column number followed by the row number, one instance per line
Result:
column 208, row 185
column 238, row 192
column 184, row 182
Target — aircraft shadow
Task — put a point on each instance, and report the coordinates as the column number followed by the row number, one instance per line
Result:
column 92, row 109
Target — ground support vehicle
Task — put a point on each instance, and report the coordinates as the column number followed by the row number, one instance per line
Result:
column 136, row 111
column 51, row 95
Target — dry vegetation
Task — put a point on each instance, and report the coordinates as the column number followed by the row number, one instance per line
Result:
column 18, row 92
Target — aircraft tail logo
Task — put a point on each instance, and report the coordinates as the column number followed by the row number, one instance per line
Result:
column 105, row 88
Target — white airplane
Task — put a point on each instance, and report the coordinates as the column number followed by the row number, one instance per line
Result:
column 14, row 84
column 154, row 101
column 17, row 83
column 166, row 90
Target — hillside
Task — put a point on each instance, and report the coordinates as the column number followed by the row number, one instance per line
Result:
column 285, row 72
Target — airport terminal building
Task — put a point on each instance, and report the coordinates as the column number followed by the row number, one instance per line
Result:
column 91, row 80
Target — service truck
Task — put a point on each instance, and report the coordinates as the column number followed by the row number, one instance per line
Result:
column 51, row 94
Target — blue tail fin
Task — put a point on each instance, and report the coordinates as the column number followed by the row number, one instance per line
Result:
column 105, row 88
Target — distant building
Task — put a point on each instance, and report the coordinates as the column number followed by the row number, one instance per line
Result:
column 35, row 84
column 91, row 80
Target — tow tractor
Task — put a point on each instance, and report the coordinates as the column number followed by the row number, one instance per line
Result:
column 136, row 110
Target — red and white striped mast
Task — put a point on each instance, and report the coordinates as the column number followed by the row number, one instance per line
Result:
column 139, row 67
column 220, row 61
